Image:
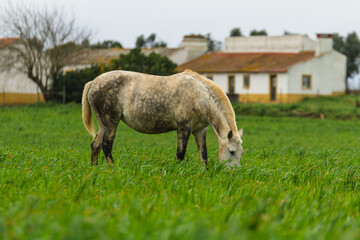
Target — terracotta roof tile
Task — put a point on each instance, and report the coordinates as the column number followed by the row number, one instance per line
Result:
column 218, row 62
column 6, row 41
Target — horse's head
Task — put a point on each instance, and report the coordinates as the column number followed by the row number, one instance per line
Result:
column 231, row 149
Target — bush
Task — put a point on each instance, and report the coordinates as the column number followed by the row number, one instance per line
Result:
column 74, row 82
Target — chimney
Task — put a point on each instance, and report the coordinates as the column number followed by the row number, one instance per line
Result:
column 324, row 43
column 193, row 46
column 194, row 41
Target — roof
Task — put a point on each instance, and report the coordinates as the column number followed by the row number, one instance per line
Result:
column 98, row 56
column 6, row 41
column 256, row 62
column 95, row 56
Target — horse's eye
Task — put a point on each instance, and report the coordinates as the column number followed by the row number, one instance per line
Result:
column 232, row 152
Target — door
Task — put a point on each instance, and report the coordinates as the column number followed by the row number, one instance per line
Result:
column 231, row 84
column 273, row 83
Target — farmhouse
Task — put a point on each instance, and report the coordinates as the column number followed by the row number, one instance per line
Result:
column 274, row 68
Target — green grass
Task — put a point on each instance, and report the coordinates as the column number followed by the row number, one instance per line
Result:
column 328, row 107
column 299, row 179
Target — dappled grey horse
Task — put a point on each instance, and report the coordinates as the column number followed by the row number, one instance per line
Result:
column 186, row 102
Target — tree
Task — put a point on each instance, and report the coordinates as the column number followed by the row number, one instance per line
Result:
column 338, row 43
column 46, row 39
column 350, row 46
column 286, row 33
column 149, row 42
column 140, row 41
column 213, row 45
column 138, row 62
column 235, row 32
column 193, row 35
column 258, row 33
column 106, row 44
column 85, row 43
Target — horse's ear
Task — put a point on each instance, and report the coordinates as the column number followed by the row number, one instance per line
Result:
column 241, row 131
column 230, row 134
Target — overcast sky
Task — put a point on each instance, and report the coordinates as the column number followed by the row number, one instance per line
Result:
column 124, row 20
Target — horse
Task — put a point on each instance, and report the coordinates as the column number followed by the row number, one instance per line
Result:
column 186, row 102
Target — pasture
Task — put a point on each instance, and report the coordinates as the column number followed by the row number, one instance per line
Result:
column 299, row 178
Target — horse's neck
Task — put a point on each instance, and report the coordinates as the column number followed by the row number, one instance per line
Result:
column 220, row 111
column 220, row 123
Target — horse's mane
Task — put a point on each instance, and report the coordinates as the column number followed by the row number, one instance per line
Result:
column 224, row 100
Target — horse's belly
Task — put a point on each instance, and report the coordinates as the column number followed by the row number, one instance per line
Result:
column 150, row 124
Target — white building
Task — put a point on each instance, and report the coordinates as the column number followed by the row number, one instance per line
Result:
column 274, row 68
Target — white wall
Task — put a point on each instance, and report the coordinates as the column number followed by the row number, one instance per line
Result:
column 283, row 83
column 323, row 45
column 328, row 73
column 179, row 56
column 16, row 82
column 185, row 54
column 259, row 82
column 290, row 43
column 221, row 79
column 13, row 80
column 308, row 44
column 190, row 48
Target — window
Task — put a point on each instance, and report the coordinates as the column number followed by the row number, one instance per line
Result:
column 210, row 77
column 231, row 84
column 306, row 81
column 246, row 83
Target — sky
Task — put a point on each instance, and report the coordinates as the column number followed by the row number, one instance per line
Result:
column 170, row 20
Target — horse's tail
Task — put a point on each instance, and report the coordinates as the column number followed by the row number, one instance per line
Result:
column 86, row 111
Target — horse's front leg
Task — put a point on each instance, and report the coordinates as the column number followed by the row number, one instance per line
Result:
column 183, row 134
column 200, row 139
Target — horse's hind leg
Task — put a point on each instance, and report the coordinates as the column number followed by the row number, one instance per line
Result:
column 107, row 144
column 96, row 148
column 108, row 123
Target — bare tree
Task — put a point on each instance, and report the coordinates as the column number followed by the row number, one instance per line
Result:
column 47, row 37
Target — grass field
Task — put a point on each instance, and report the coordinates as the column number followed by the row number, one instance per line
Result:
column 299, row 179
column 328, row 107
